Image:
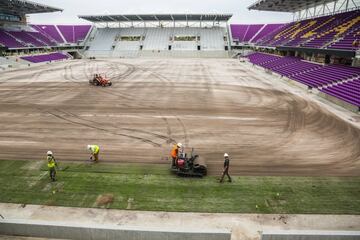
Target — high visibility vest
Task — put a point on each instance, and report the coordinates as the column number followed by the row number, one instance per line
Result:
column 95, row 149
column 174, row 152
column 51, row 162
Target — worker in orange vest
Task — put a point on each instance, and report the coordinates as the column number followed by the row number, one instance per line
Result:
column 175, row 153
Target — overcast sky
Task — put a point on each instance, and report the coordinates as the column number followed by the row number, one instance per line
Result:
column 72, row 8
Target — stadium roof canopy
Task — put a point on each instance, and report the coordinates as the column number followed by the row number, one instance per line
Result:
column 18, row 7
column 157, row 17
column 286, row 5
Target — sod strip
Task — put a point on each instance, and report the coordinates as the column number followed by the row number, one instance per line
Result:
column 154, row 188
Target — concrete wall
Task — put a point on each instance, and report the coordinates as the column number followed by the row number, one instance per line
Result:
column 340, row 102
column 82, row 232
column 157, row 54
column 310, row 235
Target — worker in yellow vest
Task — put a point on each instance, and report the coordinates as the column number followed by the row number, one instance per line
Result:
column 95, row 150
column 52, row 164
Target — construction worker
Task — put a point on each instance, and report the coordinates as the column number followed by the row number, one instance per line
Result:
column 226, row 168
column 52, row 164
column 96, row 78
column 175, row 153
column 95, row 149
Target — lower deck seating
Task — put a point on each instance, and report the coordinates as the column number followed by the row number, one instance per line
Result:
column 328, row 78
column 348, row 91
column 46, row 57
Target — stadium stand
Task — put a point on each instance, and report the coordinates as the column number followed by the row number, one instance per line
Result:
column 327, row 34
column 323, row 32
column 238, row 32
column 26, row 38
column 347, row 91
column 45, row 57
column 212, row 39
column 43, row 36
column 244, row 33
column 74, row 33
column 314, row 75
column 266, row 30
column 205, row 36
column 340, row 31
column 157, row 39
column 9, row 41
column 326, row 75
column 349, row 42
column 50, row 31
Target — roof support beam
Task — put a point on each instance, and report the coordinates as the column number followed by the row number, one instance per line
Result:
column 335, row 3
column 355, row 4
column 295, row 6
column 160, row 17
column 127, row 19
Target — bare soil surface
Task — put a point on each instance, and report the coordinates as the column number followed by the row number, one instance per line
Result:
column 212, row 105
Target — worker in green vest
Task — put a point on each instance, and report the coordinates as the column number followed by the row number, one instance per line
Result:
column 52, row 164
column 95, row 150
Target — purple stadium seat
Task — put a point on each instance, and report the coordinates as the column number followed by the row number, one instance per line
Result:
column 27, row 38
column 9, row 41
column 74, row 33
column 348, row 91
column 268, row 29
column 315, row 75
column 45, row 57
column 238, row 31
column 338, row 31
column 50, row 32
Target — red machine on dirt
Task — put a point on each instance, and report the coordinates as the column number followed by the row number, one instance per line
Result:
column 99, row 80
column 189, row 166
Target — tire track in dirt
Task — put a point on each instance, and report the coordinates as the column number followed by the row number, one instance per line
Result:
column 122, row 75
column 104, row 129
column 186, row 138
column 89, row 67
column 168, row 128
column 162, row 137
column 266, row 129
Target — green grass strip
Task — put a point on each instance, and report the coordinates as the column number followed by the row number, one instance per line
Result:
column 153, row 187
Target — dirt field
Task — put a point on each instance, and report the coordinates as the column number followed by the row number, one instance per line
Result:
column 215, row 106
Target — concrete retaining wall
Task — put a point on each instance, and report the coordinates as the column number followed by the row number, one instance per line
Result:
column 82, row 232
column 156, row 54
column 310, row 235
column 340, row 102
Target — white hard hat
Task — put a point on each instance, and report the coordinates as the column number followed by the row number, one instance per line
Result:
column 226, row 155
column 49, row 153
column 89, row 147
column 179, row 145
